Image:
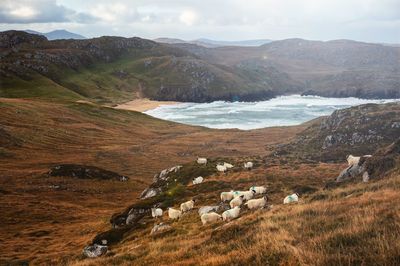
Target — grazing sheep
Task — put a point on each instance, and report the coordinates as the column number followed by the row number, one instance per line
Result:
column 231, row 214
column 259, row 190
column 198, row 180
column 221, row 168
column 227, row 196
column 236, row 201
column 207, row 209
column 248, row 165
column 202, row 160
column 247, row 194
column 187, row 206
column 210, row 217
column 257, row 203
column 291, row 198
column 352, row 160
column 228, row 165
column 156, row 212
column 174, row 214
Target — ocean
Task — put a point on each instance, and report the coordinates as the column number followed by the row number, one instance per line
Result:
column 280, row 111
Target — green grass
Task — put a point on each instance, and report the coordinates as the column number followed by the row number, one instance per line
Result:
column 37, row 87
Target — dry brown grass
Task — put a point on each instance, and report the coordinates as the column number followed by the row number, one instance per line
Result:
column 355, row 225
column 42, row 224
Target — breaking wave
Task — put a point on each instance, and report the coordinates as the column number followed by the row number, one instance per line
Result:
column 280, row 111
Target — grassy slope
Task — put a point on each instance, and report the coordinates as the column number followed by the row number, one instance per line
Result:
column 356, row 225
column 35, row 135
column 128, row 74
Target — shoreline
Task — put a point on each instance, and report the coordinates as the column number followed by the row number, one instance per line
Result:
column 143, row 105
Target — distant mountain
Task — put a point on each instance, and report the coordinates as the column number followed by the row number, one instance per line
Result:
column 58, row 35
column 170, row 40
column 208, row 42
column 213, row 43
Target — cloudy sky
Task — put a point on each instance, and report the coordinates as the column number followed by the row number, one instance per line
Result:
column 364, row 20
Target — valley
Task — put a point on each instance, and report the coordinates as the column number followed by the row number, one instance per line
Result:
column 76, row 104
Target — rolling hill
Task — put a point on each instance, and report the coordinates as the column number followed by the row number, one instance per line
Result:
column 111, row 70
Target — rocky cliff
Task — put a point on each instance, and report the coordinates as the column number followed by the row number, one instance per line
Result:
column 357, row 130
column 116, row 69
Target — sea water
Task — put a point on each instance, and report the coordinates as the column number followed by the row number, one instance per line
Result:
column 280, row 111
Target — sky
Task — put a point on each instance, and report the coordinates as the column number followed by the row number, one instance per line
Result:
column 362, row 20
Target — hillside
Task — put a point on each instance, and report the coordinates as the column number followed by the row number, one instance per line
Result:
column 278, row 242
column 112, row 70
column 63, row 210
column 357, row 218
column 61, row 214
column 357, row 130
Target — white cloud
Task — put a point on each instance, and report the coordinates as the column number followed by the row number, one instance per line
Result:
column 188, row 17
column 23, row 12
column 369, row 20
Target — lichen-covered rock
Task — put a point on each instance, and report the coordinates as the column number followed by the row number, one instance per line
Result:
column 135, row 214
column 95, row 250
column 350, row 172
column 374, row 166
column 158, row 182
column 159, row 228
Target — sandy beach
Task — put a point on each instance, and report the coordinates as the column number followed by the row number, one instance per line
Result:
column 143, row 105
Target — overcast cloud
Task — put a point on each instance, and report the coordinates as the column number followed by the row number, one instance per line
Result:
column 364, row 20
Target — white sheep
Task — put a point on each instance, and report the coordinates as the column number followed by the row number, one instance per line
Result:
column 257, row 203
column 291, row 198
column 202, row 160
column 238, row 201
column 228, row 165
column 156, row 212
column 198, row 180
column 221, row 168
column 259, row 190
column 248, row 165
column 231, row 214
column 210, row 217
column 352, row 160
column 227, row 196
column 174, row 214
column 187, row 206
column 247, row 194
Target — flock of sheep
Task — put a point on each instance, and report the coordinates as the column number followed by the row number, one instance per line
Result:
column 236, row 199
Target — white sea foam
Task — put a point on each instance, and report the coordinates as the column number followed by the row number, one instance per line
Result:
column 279, row 111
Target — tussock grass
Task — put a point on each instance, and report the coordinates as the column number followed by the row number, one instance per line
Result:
column 362, row 229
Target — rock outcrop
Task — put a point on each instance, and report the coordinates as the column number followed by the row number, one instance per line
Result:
column 375, row 166
column 159, row 181
column 160, row 228
column 95, row 250
column 357, row 130
column 85, row 172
